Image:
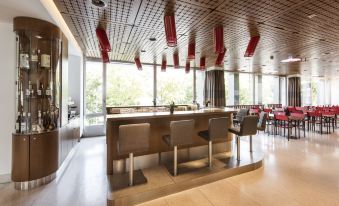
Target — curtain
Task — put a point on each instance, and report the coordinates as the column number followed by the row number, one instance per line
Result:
column 215, row 88
column 294, row 91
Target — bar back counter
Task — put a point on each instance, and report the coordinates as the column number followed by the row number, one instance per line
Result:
column 158, row 151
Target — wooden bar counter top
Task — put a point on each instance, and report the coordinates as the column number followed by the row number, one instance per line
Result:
column 160, row 123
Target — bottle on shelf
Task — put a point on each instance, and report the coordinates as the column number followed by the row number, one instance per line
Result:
column 48, row 91
column 24, row 61
column 18, row 124
column 29, row 122
column 23, row 123
column 40, row 125
column 39, row 90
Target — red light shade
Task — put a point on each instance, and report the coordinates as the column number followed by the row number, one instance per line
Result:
column 191, row 51
column 251, row 46
column 218, row 39
column 103, row 39
column 187, row 67
column 176, row 60
column 104, row 56
column 163, row 64
column 170, row 31
column 202, row 63
column 220, row 58
column 138, row 63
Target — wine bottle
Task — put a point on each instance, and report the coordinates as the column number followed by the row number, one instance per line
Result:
column 23, row 123
column 29, row 122
column 48, row 91
column 18, row 124
column 39, row 90
column 39, row 120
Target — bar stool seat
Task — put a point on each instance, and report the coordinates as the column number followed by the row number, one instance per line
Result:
column 248, row 127
column 217, row 129
column 181, row 134
column 133, row 138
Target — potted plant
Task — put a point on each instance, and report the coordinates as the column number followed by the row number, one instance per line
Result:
column 172, row 106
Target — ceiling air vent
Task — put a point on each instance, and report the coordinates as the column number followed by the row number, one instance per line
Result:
column 99, row 3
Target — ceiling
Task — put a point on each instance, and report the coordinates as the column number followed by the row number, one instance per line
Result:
column 308, row 29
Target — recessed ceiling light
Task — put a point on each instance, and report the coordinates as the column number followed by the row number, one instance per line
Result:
column 38, row 37
column 290, row 59
column 99, row 3
column 152, row 39
column 143, row 50
column 322, row 40
column 311, row 16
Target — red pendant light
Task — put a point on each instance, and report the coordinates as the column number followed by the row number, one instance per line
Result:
column 163, row 64
column 138, row 63
column 103, row 39
column 218, row 39
column 104, row 56
column 170, row 31
column 191, row 51
column 220, row 58
column 176, row 59
column 187, row 67
column 251, row 46
column 202, row 63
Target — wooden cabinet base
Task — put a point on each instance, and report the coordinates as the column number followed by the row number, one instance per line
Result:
column 27, row 185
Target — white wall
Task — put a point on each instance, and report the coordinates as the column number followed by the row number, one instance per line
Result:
column 7, row 94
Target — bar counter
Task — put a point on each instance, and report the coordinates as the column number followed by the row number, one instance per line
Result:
column 160, row 123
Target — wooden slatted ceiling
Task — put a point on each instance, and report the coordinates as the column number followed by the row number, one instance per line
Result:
column 284, row 26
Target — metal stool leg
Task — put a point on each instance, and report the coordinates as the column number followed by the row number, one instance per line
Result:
column 210, row 153
column 131, row 168
column 175, row 168
column 251, row 147
column 238, row 148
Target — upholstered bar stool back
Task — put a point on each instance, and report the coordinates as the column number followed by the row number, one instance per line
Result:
column 133, row 138
column 248, row 127
column 181, row 135
column 217, row 129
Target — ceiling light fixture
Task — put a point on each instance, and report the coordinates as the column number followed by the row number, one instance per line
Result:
column 290, row 59
column 312, row 16
column 99, row 3
column 152, row 39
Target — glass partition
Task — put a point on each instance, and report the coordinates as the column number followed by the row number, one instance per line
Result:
column 174, row 85
column 127, row 86
column 246, row 88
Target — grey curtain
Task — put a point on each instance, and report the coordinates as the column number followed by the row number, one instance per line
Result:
column 215, row 88
column 294, row 91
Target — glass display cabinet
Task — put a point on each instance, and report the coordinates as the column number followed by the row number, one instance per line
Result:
column 35, row 141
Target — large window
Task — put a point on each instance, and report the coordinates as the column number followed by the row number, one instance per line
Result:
column 270, row 89
column 94, row 94
column 174, row 85
column 246, row 89
column 127, row 86
column 229, row 88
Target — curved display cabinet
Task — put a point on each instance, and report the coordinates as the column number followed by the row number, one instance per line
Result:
column 35, row 157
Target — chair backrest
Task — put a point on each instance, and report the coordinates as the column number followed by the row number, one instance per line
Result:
column 182, row 132
column 262, row 121
column 248, row 126
column 300, row 116
column 281, row 117
column 133, row 138
column 218, row 128
column 241, row 114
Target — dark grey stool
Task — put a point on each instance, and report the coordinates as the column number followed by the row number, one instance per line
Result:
column 248, row 127
column 217, row 129
column 240, row 116
column 133, row 138
column 262, row 121
column 181, row 134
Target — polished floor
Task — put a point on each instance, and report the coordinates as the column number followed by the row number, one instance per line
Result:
column 298, row 172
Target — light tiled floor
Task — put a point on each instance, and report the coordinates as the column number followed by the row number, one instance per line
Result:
column 298, row 172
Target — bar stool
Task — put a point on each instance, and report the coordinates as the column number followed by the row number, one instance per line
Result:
column 181, row 134
column 133, row 138
column 217, row 129
column 262, row 122
column 240, row 115
column 248, row 127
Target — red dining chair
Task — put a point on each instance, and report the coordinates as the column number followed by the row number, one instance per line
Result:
column 282, row 123
column 299, row 122
column 328, row 118
column 314, row 119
